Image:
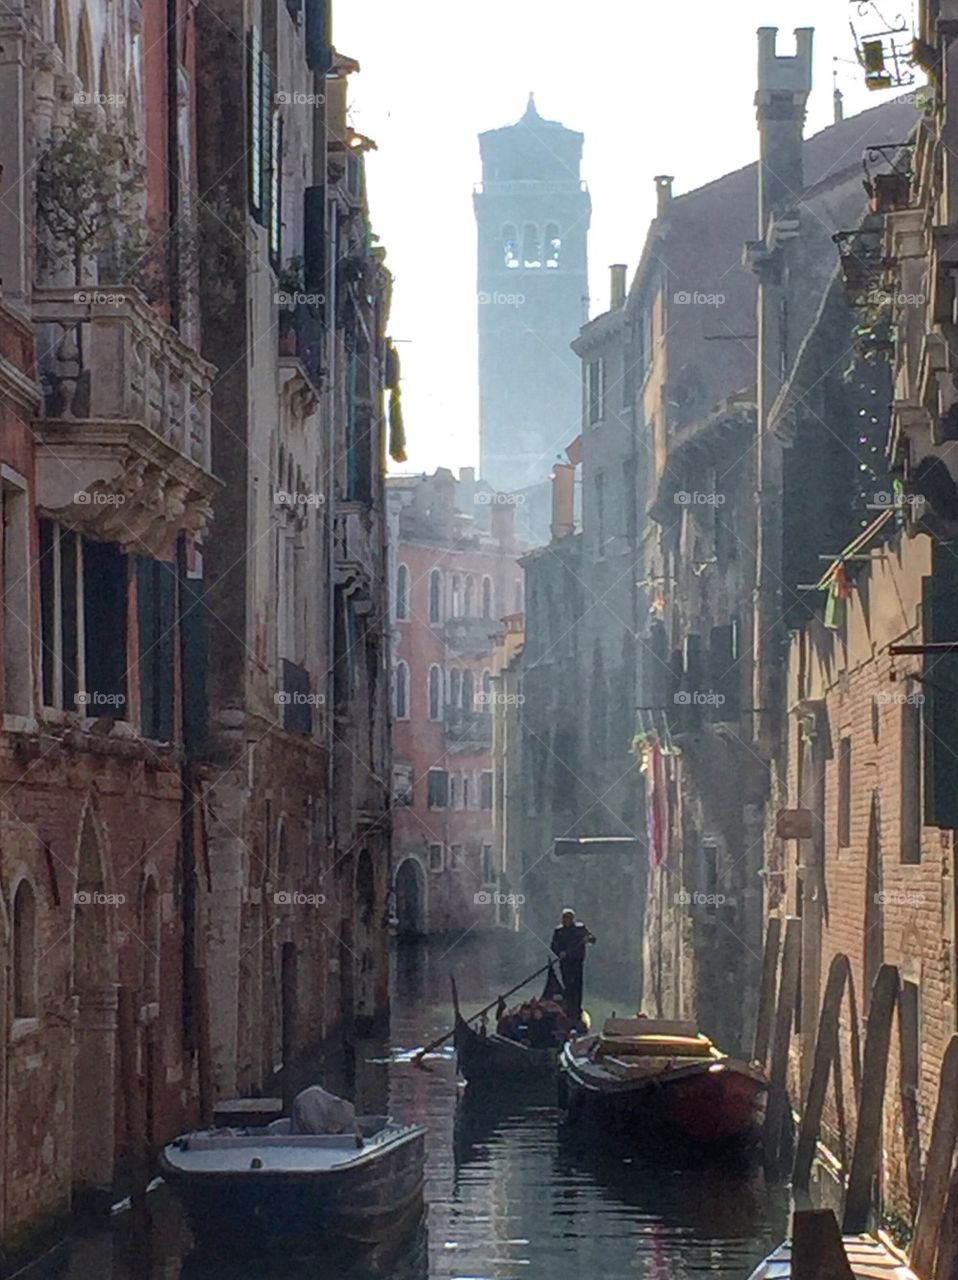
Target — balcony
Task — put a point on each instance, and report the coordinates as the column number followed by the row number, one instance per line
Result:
column 125, row 422
column 468, row 730
column 469, row 635
column 301, row 338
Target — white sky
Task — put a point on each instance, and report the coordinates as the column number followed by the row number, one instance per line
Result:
column 656, row 87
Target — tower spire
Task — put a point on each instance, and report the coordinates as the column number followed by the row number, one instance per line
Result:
column 531, row 112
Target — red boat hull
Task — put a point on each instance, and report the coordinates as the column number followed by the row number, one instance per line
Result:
column 715, row 1106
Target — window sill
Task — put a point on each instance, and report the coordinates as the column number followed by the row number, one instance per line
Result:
column 24, row 1028
column 20, row 724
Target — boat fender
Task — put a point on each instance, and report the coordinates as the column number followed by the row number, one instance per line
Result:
column 256, row 1162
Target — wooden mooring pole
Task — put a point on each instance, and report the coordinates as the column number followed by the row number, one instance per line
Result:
column 784, row 1016
column 766, row 1000
column 941, row 1152
column 826, row 1050
column 864, row 1166
column 134, row 1098
column 817, row 1249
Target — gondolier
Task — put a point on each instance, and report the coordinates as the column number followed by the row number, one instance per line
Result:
column 569, row 942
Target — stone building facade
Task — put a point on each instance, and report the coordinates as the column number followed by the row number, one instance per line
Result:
column 452, row 582
column 193, row 375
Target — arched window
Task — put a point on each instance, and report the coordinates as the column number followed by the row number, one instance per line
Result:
column 553, row 244
column 61, row 27
column 487, row 597
column 468, row 691
column 402, row 592
column 487, row 690
column 455, row 687
column 468, row 599
column 85, row 54
column 531, row 248
column 150, row 927
column 24, row 952
column 456, row 596
column 435, row 596
column 510, row 246
column 401, row 691
column 435, row 693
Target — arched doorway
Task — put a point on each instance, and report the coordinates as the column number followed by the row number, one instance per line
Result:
column 411, row 899
column 94, row 1033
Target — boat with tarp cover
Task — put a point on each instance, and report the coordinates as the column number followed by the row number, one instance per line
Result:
column 640, row 1074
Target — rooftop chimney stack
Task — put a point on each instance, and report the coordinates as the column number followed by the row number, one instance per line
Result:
column 617, row 272
column 663, row 192
column 784, row 84
column 563, row 500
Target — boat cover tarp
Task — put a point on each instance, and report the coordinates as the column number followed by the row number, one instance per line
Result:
column 317, row 1111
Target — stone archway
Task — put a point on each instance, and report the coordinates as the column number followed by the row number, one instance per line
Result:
column 94, row 1032
column 411, row 898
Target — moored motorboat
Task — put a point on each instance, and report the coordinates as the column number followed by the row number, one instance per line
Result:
column 868, row 1258
column 268, row 1188
column 640, row 1074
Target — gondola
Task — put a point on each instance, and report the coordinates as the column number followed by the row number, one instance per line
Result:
column 266, row 1189
column 641, row 1074
column 868, row 1258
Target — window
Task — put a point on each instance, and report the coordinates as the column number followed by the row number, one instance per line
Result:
column 401, row 691
column 595, row 390
column 469, row 597
column 456, row 596
column 531, row 250
column 909, row 1011
column 83, row 621
column 455, row 687
column 453, row 790
column 486, row 699
column 485, row 789
column 24, row 952
column 402, row 592
column 465, row 790
column 510, row 246
column 455, row 856
column 600, row 512
column 911, row 776
column 17, row 666
column 156, row 617
column 435, row 596
column 468, row 691
column 553, row 245
column 488, row 869
column 844, row 815
column 437, row 789
column 487, row 597
column 403, row 784
column 435, row 857
column 435, row 693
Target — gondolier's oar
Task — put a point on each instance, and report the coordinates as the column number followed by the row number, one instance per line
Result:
column 492, row 1004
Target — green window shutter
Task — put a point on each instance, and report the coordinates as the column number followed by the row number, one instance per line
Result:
column 266, row 138
column 940, row 708
column 255, row 123
column 276, row 193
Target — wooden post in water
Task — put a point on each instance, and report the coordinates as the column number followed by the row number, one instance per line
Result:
column 934, row 1189
column 288, row 991
column 817, row 1249
column 864, row 1164
column 204, row 1053
column 766, row 999
column 946, row 1267
column 826, row 1049
column 784, row 1016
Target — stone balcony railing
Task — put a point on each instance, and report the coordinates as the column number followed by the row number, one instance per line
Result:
column 467, row 729
column 125, row 419
column 469, row 634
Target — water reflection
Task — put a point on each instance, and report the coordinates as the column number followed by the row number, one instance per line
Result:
column 508, row 1193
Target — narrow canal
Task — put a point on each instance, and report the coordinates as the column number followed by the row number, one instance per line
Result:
column 509, row 1196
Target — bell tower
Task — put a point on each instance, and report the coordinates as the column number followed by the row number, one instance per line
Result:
column 533, row 212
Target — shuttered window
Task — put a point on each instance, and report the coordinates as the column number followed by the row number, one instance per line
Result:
column 255, row 123
column 156, row 618
column 940, row 687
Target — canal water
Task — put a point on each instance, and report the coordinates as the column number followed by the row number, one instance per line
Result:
column 508, row 1195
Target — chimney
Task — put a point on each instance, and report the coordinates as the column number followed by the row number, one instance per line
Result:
column 663, row 193
column 563, row 500
column 784, row 84
column 503, row 523
column 839, row 102
column 467, row 490
column 617, row 273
